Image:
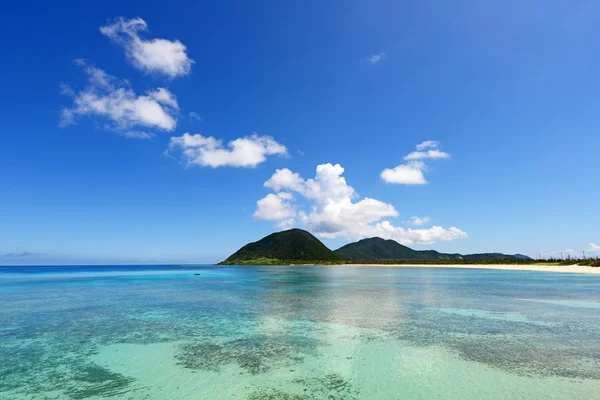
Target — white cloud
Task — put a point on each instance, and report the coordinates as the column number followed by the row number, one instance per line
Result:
column 275, row 207
column 195, row 116
column 417, row 236
column 156, row 55
column 414, row 220
column 335, row 210
column 285, row 196
column 592, row 248
column 428, row 144
column 287, row 224
column 105, row 96
column 421, row 155
column 406, row 174
column 376, row 58
column 285, row 179
column 248, row 151
column 411, row 173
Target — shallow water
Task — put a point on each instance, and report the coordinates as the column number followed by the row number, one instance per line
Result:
column 274, row 333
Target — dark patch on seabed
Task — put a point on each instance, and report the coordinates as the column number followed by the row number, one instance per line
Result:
column 330, row 387
column 531, row 357
column 93, row 380
column 567, row 351
column 255, row 354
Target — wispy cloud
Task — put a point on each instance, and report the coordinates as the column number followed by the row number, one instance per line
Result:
column 428, row 144
column 593, row 248
column 138, row 135
column 335, row 210
column 422, row 155
column 21, row 254
column 167, row 57
column 376, row 58
column 107, row 97
column 208, row 151
column 412, row 172
column 194, row 116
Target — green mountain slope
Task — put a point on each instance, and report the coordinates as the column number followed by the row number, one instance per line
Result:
column 495, row 256
column 292, row 246
column 376, row 248
column 436, row 255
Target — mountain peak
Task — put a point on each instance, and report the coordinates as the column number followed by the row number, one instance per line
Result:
column 376, row 248
column 285, row 247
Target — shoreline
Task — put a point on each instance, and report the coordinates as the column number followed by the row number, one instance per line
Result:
column 577, row 269
column 573, row 269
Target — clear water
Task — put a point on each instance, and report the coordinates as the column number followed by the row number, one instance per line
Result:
column 297, row 333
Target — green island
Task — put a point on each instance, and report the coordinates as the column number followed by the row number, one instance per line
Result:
column 299, row 247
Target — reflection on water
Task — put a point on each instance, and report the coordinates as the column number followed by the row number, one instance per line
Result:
column 297, row 333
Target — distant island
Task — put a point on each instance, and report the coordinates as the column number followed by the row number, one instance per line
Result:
column 299, row 247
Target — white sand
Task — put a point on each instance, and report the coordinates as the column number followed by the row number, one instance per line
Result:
column 579, row 269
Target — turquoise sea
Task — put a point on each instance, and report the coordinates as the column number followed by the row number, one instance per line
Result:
column 257, row 333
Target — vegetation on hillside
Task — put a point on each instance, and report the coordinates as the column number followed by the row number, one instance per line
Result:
column 380, row 250
column 294, row 246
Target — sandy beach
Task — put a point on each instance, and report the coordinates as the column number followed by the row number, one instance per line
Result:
column 577, row 269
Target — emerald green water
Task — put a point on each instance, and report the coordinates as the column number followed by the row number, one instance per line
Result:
column 274, row 333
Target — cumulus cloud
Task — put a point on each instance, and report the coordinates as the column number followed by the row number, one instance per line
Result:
column 414, row 220
column 155, row 55
column 208, row 151
column 376, row 58
column 411, row 173
column 107, row 97
column 286, row 224
column 275, row 207
column 333, row 209
column 284, row 178
column 406, row 174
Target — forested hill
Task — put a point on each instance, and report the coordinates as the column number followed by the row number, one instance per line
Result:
column 291, row 246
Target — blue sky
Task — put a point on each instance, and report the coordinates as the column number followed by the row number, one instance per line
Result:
column 502, row 100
